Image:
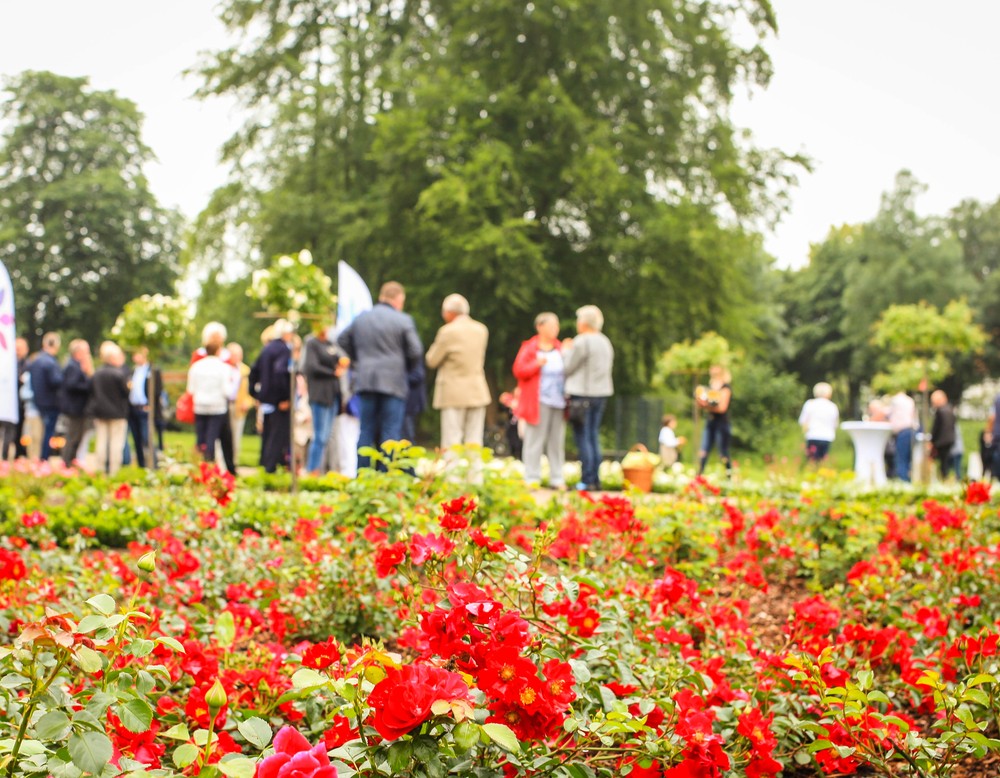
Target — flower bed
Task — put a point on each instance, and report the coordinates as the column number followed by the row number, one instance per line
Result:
column 394, row 626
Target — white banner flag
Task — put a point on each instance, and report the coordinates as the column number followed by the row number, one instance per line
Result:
column 8, row 354
column 353, row 296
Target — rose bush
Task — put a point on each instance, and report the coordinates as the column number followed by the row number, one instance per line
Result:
column 395, row 626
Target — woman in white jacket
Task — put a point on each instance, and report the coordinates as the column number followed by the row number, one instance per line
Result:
column 210, row 382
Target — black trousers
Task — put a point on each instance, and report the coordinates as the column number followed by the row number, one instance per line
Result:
column 274, row 447
column 226, row 441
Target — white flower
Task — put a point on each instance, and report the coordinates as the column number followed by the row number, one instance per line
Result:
column 286, row 262
column 305, row 257
column 151, row 328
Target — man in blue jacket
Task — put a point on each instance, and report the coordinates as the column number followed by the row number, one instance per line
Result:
column 384, row 348
column 46, row 378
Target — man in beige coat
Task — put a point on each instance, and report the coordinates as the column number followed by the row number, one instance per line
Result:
column 461, row 393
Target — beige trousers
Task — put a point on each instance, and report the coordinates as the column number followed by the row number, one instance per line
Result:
column 464, row 426
column 110, row 443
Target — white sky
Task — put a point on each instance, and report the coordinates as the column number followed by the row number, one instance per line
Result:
column 864, row 87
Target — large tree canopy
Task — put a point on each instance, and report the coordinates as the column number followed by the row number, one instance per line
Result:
column 530, row 155
column 859, row 271
column 79, row 229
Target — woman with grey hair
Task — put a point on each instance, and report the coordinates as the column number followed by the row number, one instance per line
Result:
column 819, row 420
column 538, row 369
column 589, row 359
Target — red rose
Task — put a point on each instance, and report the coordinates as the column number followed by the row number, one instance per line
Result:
column 12, row 567
column 388, row 558
column 403, row 699
column 321, row 655
column 293, row 757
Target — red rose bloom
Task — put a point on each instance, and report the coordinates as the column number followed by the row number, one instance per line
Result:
column 977, row 493
column 293, row 757
column 388, row 558
column 322, row 655
column 12, row 567
column 403, row 699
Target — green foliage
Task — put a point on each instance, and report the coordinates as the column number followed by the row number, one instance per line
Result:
column 154, row 321
column 532, row 157
column 920, row 339
column 80, row 231
column 897, row 258
column 293, row 287
column 765, row 404
column 697, row 357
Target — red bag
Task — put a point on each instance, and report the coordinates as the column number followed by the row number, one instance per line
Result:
column 184, row 412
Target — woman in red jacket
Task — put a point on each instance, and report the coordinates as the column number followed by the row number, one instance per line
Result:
column 538, row 369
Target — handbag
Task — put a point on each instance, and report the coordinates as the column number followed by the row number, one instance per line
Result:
column 184, row 412
column 576, row 409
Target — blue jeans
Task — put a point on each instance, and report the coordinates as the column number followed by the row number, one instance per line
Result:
column 717, row 429
column 588, row 442
column 49, row 418
column 381, row 420
column 323, row 416
column 904, row 454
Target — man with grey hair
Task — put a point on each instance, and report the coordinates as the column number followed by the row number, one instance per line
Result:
column 588, row 362
column 461, row 393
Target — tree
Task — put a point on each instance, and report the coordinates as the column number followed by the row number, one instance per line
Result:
column 79, row 228
column 530, row 156
column 897, row 258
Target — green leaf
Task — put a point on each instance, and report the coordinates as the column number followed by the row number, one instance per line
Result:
column 225, row 629
column 90, row 751
column 399, row 757
column 173, row 643
column 503, row 736
column 136, row 715
column 91, row 623
column 307, row 678
column 185, row 755
column 237, row 767
column 88, row 659
column 141, row 647
column 256, row 731
column 103, row 603
column 977, row 696
column 177, row 732
column 54, row 725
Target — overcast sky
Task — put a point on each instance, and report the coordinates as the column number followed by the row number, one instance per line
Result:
column 864, row 87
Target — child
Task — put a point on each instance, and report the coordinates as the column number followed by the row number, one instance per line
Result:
column 669, row 442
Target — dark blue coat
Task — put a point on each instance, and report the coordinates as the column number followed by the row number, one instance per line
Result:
column 270, row 381
column 46, row 378
column 75, row 390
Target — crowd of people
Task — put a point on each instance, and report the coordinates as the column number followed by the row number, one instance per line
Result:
column 358, row 388
column 62, row 408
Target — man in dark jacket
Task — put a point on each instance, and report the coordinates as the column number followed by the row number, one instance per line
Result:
column 384, row 346
column 46, row 378
column 946, row 439
column 322, row 370
column 73, row 396
column 271, row 384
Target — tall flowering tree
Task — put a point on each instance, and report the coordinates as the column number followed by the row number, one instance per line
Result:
column 294, row 288
column 156, row 321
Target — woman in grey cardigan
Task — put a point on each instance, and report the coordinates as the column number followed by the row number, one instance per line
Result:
column 589, row 359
